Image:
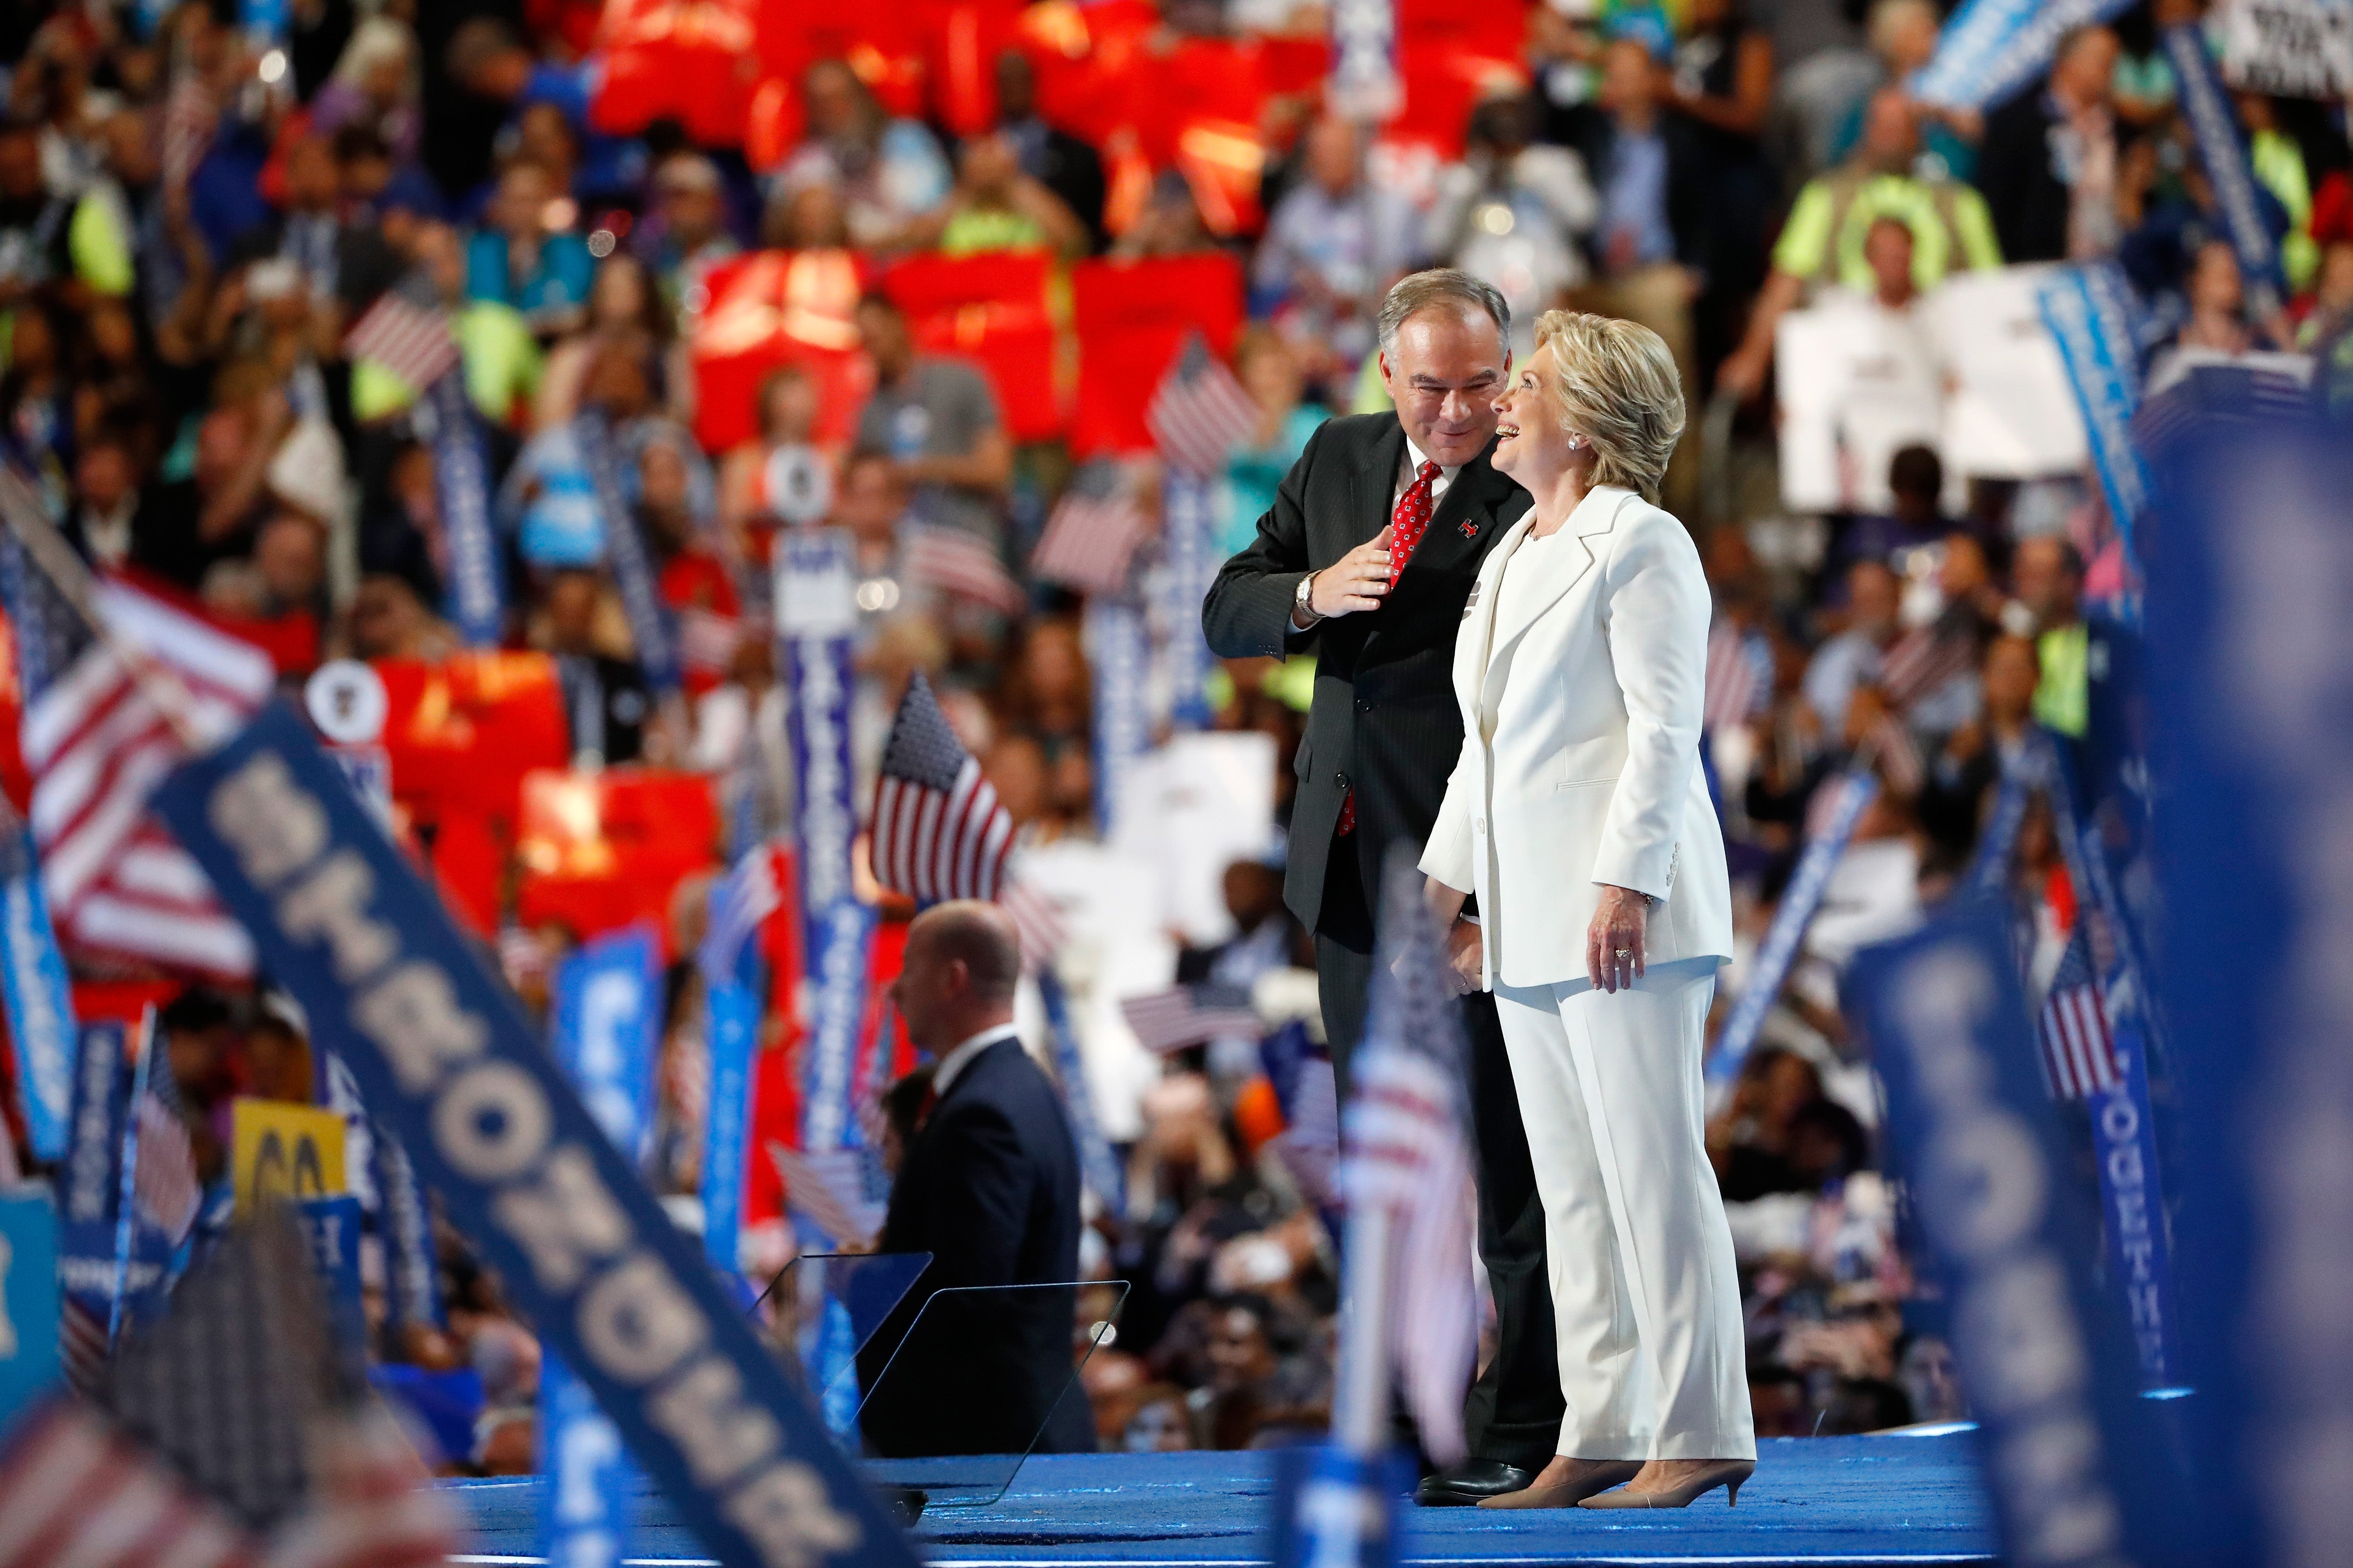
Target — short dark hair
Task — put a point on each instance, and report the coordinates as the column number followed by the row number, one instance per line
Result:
column 982, row 939
column 1418, row 291
column 1916, row 470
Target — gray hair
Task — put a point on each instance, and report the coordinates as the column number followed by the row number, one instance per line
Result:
column 1615, row 384
column 1418, row 291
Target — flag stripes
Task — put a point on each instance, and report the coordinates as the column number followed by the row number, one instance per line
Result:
column 1199, row 413
column 2079, row 1051
column 828, row 1190
column 1091, row 538
column 410, row 340
column 1185, row 1015
column 939, row 831
column 951, row 561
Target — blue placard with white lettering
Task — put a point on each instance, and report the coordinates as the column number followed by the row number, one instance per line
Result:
column 2085, row 308
column 608, row 1015
column 815, row 615
column 2214, row 129
column 39, row 999
column 607, row 997
column 1990, row 49
column 1800, row 899
column 475, row 598
column 28, row 1299
column 1971, row 1133
column 838, row 939
column 93, row 1265
column 732, row 1026
column 1188, row 565
column 445, row 1058
column 2251, row 732
column 1117, row 650
column 331, row 1229
column 651, row 629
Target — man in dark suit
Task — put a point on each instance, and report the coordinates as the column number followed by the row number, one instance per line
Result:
column 2043, row 144
column 990, row 1189
column 1366, row 560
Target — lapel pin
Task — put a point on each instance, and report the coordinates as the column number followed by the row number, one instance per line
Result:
column 1470, row 530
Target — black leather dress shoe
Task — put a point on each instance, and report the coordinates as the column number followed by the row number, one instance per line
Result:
column 1470, row 1483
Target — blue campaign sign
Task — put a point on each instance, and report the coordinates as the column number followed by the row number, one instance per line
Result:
column 475, row 598
column 91, row 1265
column 331, row 1229
column 41, row 1004
column 816, row 614
column 731, row 1024
column 2250, row 654
column 28, row 1299
column 1973, row 1135
column 608, row 998
column 839, row 940
column 608, row 1016
column 445, row 1057
column 651, row 626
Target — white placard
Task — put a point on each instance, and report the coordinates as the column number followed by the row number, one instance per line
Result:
column 816, row 587
column 2297, row 49
column 1192, row 808
column 1857, row 383
column 2009, row 413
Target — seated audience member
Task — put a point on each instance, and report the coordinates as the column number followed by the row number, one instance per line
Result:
column 887, row 172
column 995, row 205
column 1852, row 657
column 1823, row 241
column 523, row 258
column 1069, row 167
column 990, row 1188
column 937, row 420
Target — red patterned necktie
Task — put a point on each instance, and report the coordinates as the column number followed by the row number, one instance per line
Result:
column 1407, row 525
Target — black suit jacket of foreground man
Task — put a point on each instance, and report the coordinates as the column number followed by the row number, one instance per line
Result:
column 990, row 1189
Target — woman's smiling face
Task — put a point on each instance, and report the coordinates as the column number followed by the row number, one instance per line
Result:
column 1533, row 446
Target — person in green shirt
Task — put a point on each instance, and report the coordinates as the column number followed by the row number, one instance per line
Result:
column 1822, row 243
column 2048, row 572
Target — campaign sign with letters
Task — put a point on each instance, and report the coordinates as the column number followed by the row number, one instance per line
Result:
column 475, row 598
column 91, row 1265
column 412, row 1275
column 1800, row 899
column 331, row 1230
column 732, row 1024
column 838, row 938
column 1117, row 648
column 1973, row 1134
column 650, row 628
column 816, row 614
column 1365, row 85
column 607, row 995
column 28, row 1299
column 1188, row 565
column 40, row 1002
column 608, row 1016
column 2222, row 149
column 2251, row 725
column 445, row 1058
column 2293, row 49
column 278, row 1151
column 1990, row 49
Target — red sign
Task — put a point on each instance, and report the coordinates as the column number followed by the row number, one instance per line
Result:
column 993, row 310
column 1133, row 317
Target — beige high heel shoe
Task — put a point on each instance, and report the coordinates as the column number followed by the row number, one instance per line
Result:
column 1726, row 1473
column 1568, row 1494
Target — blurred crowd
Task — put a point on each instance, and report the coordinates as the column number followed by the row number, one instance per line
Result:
column 192, row 218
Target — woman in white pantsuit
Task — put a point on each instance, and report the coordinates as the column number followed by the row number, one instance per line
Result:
column 1578, row 816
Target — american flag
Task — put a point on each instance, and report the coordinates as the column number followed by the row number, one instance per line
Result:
column 407, row 336
column 163, row 1184
column 939, row 832
column 73, row 1489
column 1924, row 659
column 738, row 905
column 372, row 1504
column 1408, row 1155
column 2079, row 1053
column 1092, row 534
column 1188, row 1014
column 707, row 640
column 1311, row 1144
column 188, row 119
column 102, row 727
column 954, row 562
column 1199, row 413
column 828, row 1190
column 1739, row 676
column 1035, row 917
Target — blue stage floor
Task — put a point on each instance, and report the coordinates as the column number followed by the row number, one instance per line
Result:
column 1851, row 1502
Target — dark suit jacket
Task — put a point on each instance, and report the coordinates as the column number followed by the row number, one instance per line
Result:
column 2023, row 196
column 990, row 1189
column 1384, row 719
column 1595, row 136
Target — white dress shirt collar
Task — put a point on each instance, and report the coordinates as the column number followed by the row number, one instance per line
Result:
column 951, row 1065
column 1411, row 464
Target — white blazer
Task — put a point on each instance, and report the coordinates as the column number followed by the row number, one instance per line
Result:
column 1580, row 746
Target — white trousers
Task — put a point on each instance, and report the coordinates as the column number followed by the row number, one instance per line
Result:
column 1644, row 1288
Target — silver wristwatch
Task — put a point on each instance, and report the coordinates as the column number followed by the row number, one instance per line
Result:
column 1302, row 609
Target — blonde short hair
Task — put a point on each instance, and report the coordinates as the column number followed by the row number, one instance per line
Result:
column 1615, row 384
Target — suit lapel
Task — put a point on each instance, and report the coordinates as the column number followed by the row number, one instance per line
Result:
column 1370, row 488
column 1474, row 645
column 1565, row 566
column 1470, row 501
